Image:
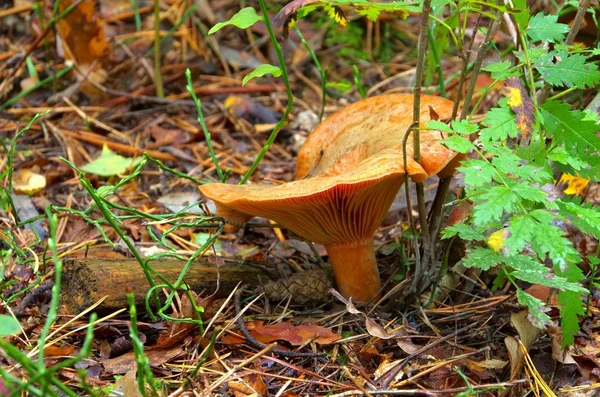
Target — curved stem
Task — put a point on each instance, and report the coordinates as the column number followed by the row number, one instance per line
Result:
column 355, row 270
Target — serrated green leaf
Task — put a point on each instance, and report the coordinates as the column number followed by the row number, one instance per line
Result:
column 261, row 71
column 244, row 18
column 110, row 164
column 521, row 230
column 522, row 13
column 501, row 70
column 571, row 307
column 571, row 129
column 464, row 231
column 531, row 193
column 438, row 125
column 546, row 28
column 528, row 269
column 500, row 124
column 584, row 216
column 8, row 325
column 563, row 70
column 458, row 144
column 464, row 127
column 482, row 258
column 477, row 172
column 537, row 314
column 548, row 239
column 559, row 154
column 492, row 204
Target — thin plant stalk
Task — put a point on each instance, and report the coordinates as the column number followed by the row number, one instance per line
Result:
column 421, row 58
column 288, row 89
column 438, row 62
column 322, row 72
column 207, row 136
column 144, row 373
column 477, row 67
column 136, row 15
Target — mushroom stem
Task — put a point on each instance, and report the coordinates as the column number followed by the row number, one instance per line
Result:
column 355, row 269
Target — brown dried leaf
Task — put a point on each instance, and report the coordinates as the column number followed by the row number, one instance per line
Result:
column 83, row 40
column 520, row 103
column 54, row 351
column 558, row 353
column 460, row 212
column 126, row 362
column 296, row 335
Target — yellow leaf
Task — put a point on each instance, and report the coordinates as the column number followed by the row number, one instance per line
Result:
column 28, row 182
column 575, row 184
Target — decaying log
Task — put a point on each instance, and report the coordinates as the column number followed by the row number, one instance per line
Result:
column 86, row 281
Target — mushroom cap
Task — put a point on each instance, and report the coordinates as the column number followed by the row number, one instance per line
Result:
column 328, row 210
column 366, row 127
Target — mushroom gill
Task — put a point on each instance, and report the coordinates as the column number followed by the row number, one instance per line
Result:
column 356, row 166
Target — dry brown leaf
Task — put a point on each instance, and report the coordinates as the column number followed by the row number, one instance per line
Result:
column 543, row 293
column 373, row 328
column 558, row 353
column 296, row 335
column 126, row 362
column 527, row 334
column 127, row 385
column 55, row 351
column 460, row 212
column 521, row 104
column 83, row 41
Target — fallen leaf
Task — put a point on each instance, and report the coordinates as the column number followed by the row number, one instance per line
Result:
column 83, row 42
column 543, row 293
column 576, row 185
column 460, row 212
column 296, row 335
column 126, row 362
column 527, row 334
column 55, row 351
column 558, row 353
column 109, row 163
column 373, row 328
column 127, row 385
column 27, row 182
column 520, row 103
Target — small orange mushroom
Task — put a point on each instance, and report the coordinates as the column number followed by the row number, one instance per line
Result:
column 356, row 166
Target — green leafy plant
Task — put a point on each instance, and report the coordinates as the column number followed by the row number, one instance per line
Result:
column 521, row 144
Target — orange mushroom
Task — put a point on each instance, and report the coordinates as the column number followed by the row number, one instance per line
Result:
column 356, row 167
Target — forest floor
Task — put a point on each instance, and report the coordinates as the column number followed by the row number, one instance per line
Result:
column 93, row 78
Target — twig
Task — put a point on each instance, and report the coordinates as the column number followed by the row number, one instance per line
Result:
column 465, row 69
column 253, row 341
column 477, row 66
column 421, row 51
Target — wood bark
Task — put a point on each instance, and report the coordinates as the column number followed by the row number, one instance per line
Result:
column 86, row 281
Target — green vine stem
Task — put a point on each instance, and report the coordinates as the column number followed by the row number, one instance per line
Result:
column 288, row 89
